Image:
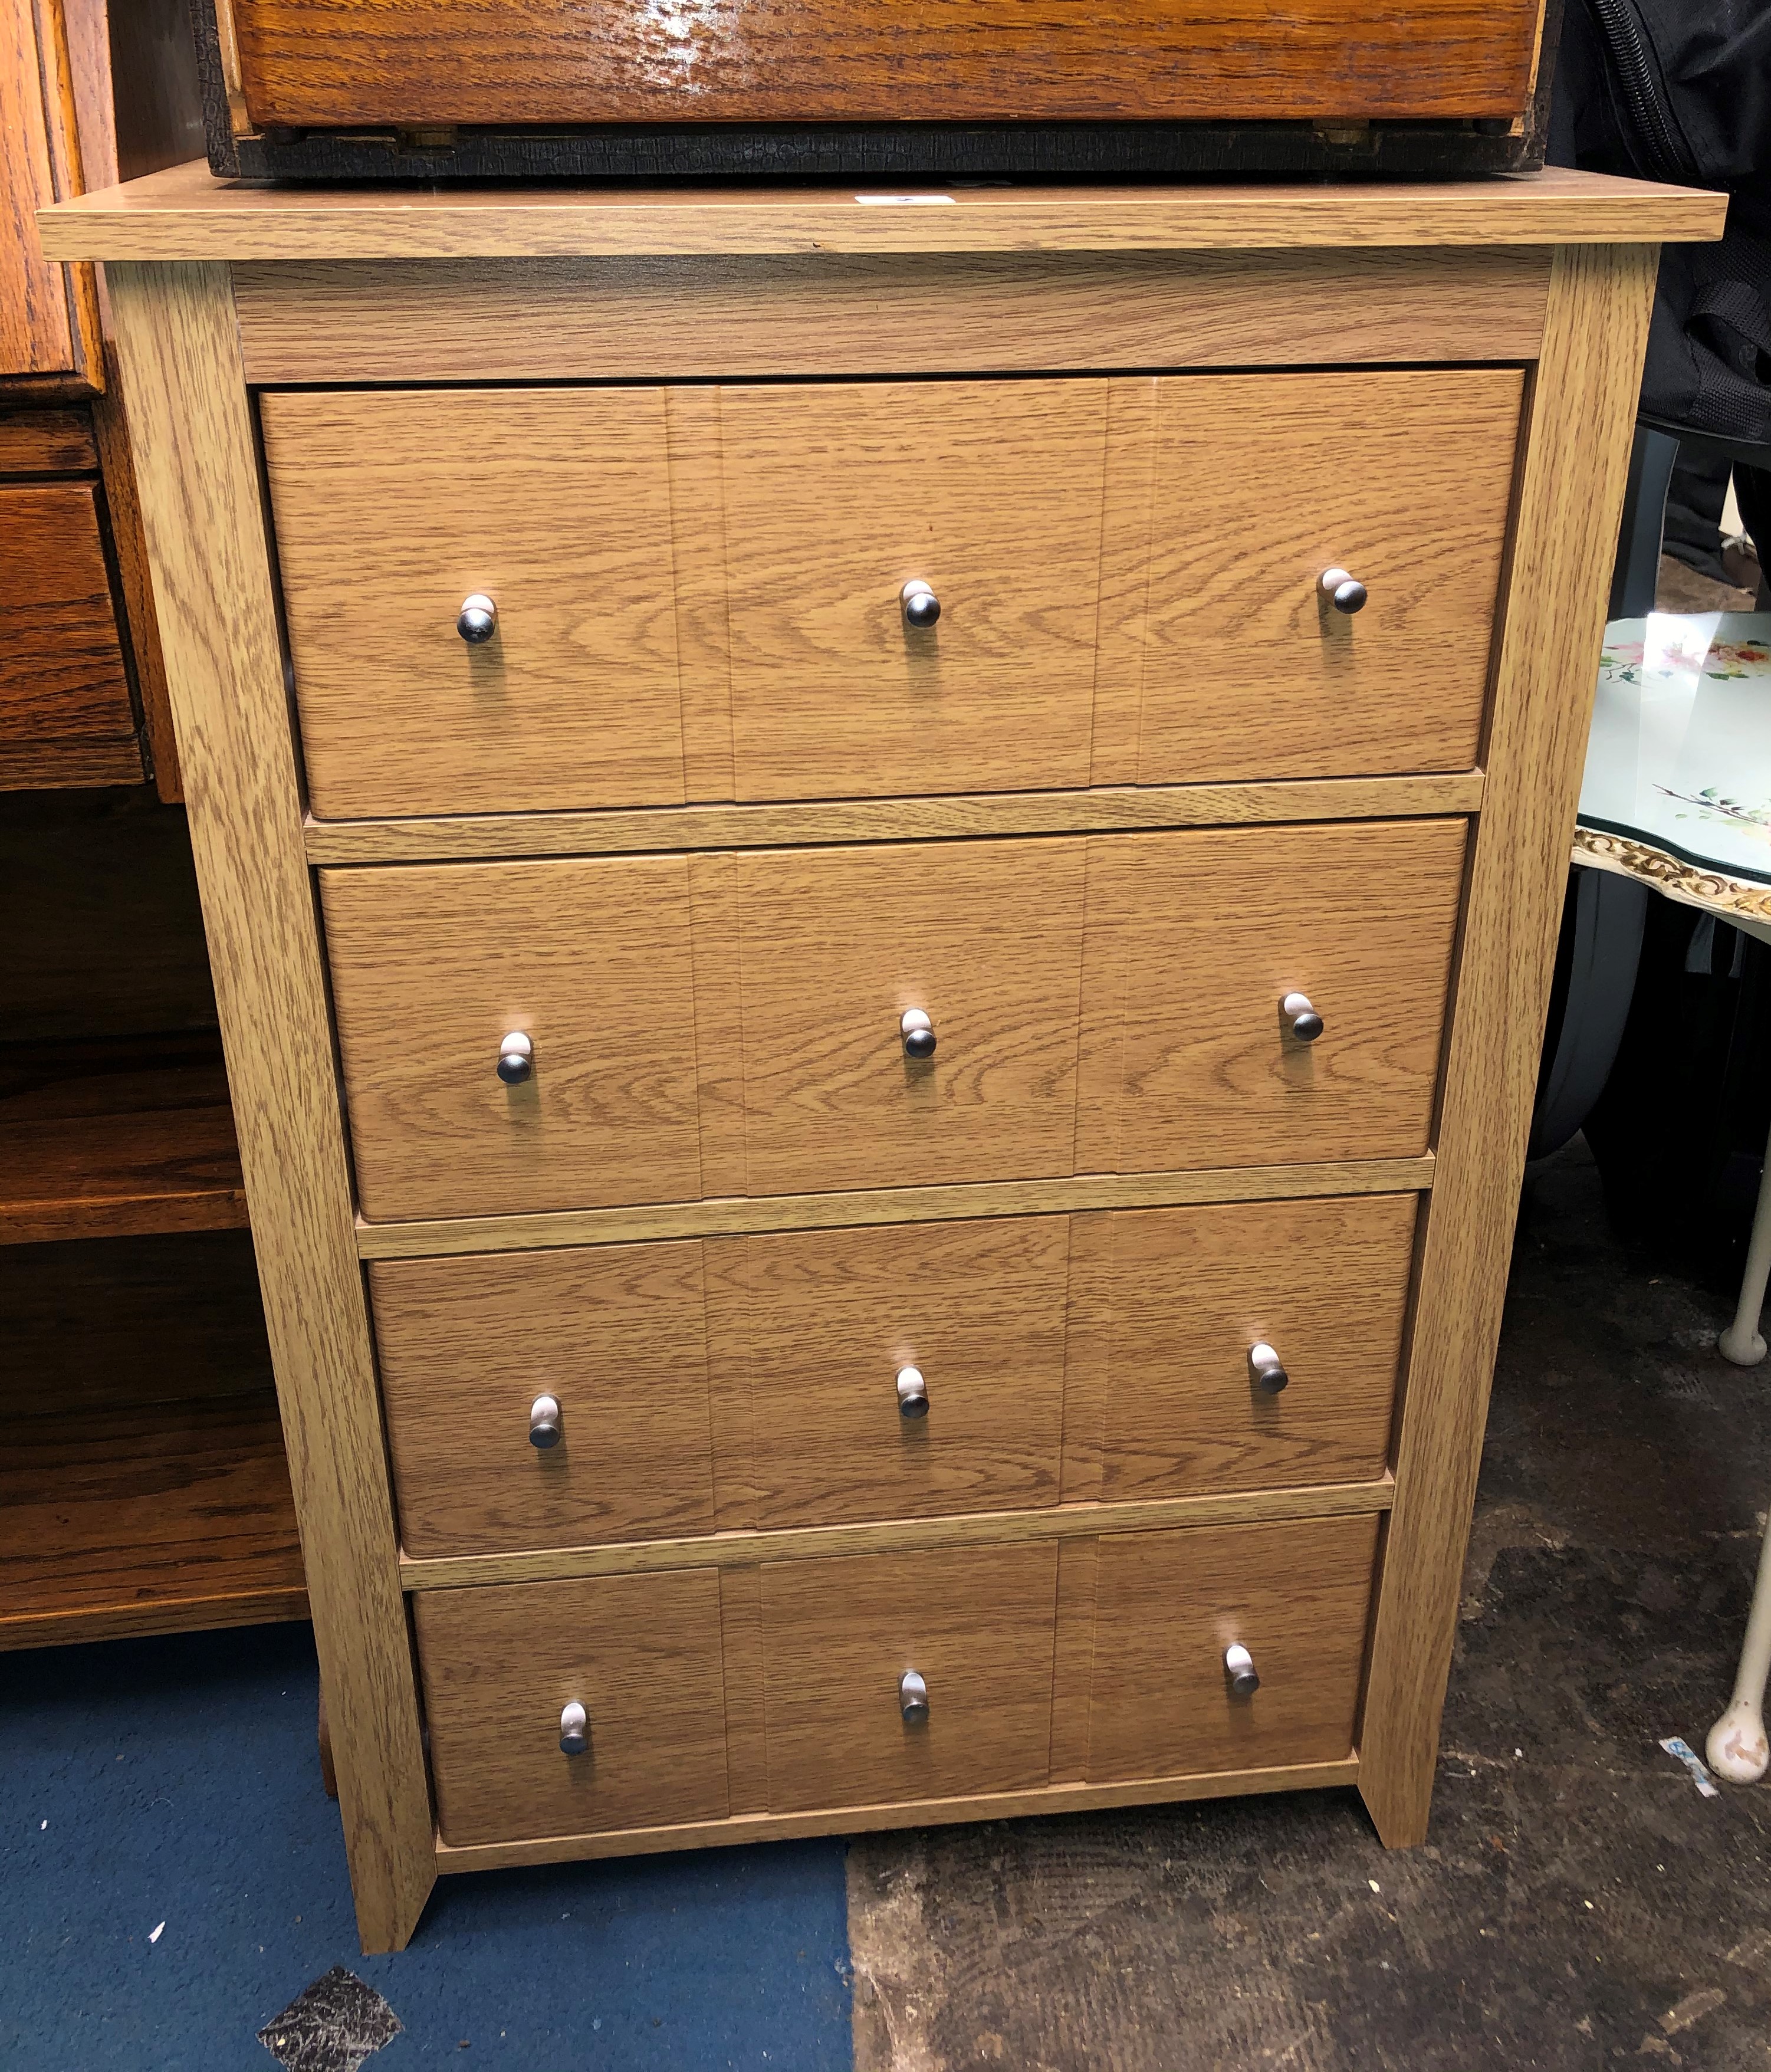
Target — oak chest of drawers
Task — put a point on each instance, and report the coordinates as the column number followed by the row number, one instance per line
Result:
column 882, row 879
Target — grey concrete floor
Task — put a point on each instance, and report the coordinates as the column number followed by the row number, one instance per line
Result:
column 1579, row 1902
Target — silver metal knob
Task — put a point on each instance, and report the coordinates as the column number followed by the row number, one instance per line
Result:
column 544, row 1422
column 479, row 619
column 913, row 1698
column 1301, row 1019
column 516, row 1058
column 1240, row 1668
column 1346, row 593
column 922, row 606
column 574, row 1730
column 919, row 1033
column 913, row 1393
column 1267, row 1369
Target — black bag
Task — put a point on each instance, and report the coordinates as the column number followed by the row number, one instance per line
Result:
column 1680, row 90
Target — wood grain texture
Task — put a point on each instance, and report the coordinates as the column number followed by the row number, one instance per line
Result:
column 828, row 1320
column 69, row 766
column 1325, row 1283
column 694, row 436
column 48, row 316
column 483, row 838
column 184, row 213
column 740, row 1642
column 730, row 1216
column 1403, row 477
column 432, row 967
column 835, row 497
column 47, row 442
column 616, row 1336
column 977, row 1626
column 1067, row 1521
column 205, row 525
column 1167, row 1605
column 1073, row 1658
column 540, row 61
column 1195, row 939
column 1576, row 455
column 392, row 508
column 641, row 1653
column 149, row 1518
column 116, row 1138
column 135, row 583
column 929, row 1813
column 837, row 943
column 672, row 319
column 61, row 667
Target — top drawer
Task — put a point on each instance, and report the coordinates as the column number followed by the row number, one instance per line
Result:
column 699, row 592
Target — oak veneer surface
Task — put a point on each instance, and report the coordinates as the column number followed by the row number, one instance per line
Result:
column 1193, row 941
column 834, row 499
column 1324, row 1282
column 61, row 667
column 432, row 967
column 831, row 314
column 821, row 1328
column 391, row 509
column 1402, row 476
column 641, row 1653
column 540, row 61
column 617, row 1335
column 976, row 1624
column 987, row 938
column 1167, row 1605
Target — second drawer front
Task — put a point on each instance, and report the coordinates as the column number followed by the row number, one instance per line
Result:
column 975, row 1625
column 733, row 1025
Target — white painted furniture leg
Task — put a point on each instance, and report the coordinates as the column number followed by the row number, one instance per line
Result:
column 1741, row 1342
column 1736, row 1745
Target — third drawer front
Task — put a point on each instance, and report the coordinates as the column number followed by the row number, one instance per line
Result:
column 702, row 1025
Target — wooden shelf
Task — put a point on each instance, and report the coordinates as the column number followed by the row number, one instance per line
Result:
column 159, row 1518
column 116, row 1138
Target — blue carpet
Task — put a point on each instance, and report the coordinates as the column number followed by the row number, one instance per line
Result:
column 180, row 1783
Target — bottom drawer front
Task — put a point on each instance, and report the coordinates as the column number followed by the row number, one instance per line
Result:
column 1169, row 1606
column 838, row 1636
column 640, row 1654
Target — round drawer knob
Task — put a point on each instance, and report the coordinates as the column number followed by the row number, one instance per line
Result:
column 516, row 1058
column 913, row 1698
column 544, row 1422
column 574, row 1730
column 1301, row 1019
column 478, row 620
column 1267, row 1369
column 913, row 1393
column 1346, row 593
column 922, row 606
column 919, row 1033
column 1240, row 1668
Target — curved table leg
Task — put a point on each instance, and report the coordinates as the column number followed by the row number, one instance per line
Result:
column 1736, row 1745
column 1741, row 1342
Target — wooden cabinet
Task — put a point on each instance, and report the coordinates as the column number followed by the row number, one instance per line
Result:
column 1109, row 1026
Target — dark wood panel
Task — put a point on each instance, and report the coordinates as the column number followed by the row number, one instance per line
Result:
column 61, row 665
column 116, row 1138
column 149, row 1518
column 47, row 442
column 340, row 62
column 86, row 1324
column 101, row 933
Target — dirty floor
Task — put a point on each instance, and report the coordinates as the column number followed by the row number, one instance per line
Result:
column 1578, row 1904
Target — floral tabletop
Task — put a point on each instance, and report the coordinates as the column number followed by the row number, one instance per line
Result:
column 1678, row 783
